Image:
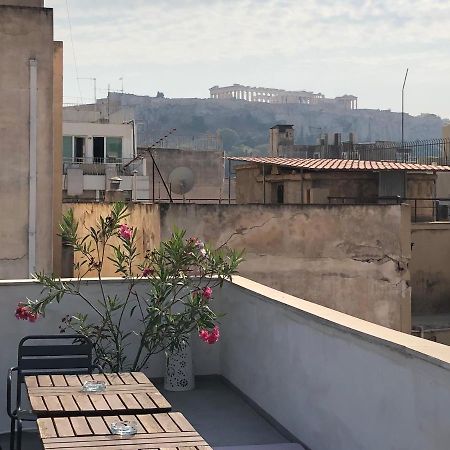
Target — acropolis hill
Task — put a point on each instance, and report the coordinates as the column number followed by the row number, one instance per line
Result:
column 249, row 122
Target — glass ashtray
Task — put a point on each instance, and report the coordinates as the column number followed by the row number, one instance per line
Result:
column 93, row 386
column 124, row 428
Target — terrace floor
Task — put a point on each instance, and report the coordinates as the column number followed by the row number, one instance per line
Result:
column 222, row 416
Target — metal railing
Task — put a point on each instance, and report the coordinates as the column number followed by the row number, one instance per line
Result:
column 127, row 197
column 423, row 209
column 98, row 166
column 432, row 151
column 198, row 142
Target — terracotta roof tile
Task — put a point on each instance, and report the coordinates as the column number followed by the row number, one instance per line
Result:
column 339, row 164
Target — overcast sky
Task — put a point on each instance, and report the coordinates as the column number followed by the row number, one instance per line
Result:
column 183, row 47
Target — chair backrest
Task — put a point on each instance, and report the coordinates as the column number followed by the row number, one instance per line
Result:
column 54, row 354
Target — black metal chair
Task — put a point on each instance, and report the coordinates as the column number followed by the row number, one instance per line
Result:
column 44, row 355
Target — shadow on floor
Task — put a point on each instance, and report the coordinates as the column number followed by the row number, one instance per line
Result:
column 30, row 441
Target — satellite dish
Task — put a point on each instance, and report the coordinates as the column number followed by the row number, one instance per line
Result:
column 181, row 180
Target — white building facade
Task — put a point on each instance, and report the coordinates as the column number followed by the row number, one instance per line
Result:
column 100, row 162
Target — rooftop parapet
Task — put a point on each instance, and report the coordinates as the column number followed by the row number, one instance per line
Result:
column 330, row 380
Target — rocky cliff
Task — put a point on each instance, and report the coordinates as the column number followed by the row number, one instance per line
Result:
column 244, row 125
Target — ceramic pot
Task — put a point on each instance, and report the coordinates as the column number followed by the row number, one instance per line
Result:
column 179, row 374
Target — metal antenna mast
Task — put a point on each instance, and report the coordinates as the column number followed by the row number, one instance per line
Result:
column 155, row 166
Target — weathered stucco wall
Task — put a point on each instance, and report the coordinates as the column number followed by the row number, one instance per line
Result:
column 429, row 267
column 350, row 258
column 206, row 166
column 143, row 217
column 25, row 34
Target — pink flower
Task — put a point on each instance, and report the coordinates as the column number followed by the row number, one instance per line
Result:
column 125, row 232
column 203, row 334
column 210, row 337
column 147, row 272
column 207, row 293
column 199, row 245
column 23, row 312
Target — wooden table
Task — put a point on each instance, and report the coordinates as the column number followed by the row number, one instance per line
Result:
column 61, row 395
column 166, row 431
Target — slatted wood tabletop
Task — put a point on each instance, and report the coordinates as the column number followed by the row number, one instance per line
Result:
column 166, row 431
column 126, row 393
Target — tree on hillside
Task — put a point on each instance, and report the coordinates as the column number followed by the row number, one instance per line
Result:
column 229, row 138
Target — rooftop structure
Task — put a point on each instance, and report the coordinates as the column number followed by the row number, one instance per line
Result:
column 325, row 181
column 270, row 95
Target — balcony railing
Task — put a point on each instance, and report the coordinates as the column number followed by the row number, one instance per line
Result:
column 423, row 209
column 433, row 151
column 98, row 166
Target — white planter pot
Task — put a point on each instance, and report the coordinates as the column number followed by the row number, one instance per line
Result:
column 179, row 374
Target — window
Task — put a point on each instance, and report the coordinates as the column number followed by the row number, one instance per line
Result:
column 113, row 149
column 78, row 148
column 99, row 149
column 107, row 149
column 74, row 148
column 67, row 148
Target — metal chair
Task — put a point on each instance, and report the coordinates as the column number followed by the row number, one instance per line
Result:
column 44, row 355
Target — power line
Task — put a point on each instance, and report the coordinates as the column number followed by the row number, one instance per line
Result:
column 73, row 51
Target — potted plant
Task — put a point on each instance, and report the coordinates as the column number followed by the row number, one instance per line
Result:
column 180, row 277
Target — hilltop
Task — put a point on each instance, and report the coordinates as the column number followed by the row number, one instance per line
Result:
column 244, row 125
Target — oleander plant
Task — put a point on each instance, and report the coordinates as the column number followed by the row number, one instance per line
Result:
column 180, row 278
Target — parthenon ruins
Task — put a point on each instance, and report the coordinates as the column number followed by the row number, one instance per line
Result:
column 269, row 95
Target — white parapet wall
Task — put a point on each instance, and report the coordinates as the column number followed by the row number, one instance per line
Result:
column 333, row 381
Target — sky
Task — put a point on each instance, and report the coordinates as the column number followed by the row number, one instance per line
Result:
column 183, row 47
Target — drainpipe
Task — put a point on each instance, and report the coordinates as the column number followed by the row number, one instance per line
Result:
column 32, row 178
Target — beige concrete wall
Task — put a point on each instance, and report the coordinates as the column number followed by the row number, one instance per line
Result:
column 248, row 189
column 28, row 3
column 207, row 167
column 25, row 33
column 143, row 217
column 421, row 185
column 443, row 185
column 430, row 274
column 353, row 258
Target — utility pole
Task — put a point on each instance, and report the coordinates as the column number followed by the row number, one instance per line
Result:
column 403, row 107
column 121, row 79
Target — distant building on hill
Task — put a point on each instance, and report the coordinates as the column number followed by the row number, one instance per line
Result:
column 270, row 95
